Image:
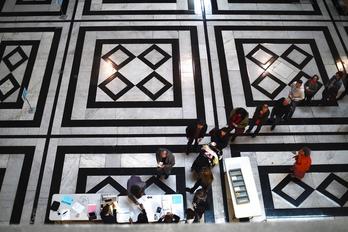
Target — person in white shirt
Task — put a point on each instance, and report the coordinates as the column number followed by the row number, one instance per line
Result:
column 296, row 95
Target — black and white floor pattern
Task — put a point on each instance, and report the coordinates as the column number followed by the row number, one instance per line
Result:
column 111, row 81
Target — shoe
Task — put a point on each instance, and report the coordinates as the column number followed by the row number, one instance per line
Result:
column 247, row 132
column 253, row 135
column 233, row 138
column 166, row 176
column 272, row 127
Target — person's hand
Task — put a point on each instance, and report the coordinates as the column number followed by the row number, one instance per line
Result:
column 235, row 125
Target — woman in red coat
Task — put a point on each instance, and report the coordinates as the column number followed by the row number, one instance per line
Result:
column 302, row 163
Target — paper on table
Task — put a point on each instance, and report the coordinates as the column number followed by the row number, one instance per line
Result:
column 77, row 207
column 91, row 208
column 167, row 206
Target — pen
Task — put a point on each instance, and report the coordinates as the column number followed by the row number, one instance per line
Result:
column 65, row 212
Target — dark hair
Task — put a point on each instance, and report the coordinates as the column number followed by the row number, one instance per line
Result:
column 142, row 218
column 190, row 214
column 136, row 191
column 315, row 76
column 243, row 113
column 168, row 218
column 300, row 81
column 200, row 122
column 105, row 209
column 306, row 151
column 340, row 74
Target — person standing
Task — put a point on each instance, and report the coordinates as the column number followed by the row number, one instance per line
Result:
column 302, row 163
column 296, row 95
column 220, row 136
column 195, row 133
column 165, row 162
column 260, row 117
column 280, row 111
column 135, row 188
column 311, row 87
column 331, row 88
column 205, row 180
column 238, row 120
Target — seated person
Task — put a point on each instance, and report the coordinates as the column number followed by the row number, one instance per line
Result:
column 142, row 217
column 169, row 218
column 135, row 188
column 108, row 214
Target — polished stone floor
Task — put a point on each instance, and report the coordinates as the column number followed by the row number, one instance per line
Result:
column 111, row 81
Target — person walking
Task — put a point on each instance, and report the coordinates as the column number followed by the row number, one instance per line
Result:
column 280, row 111
column 331, row 88
column 296, row 95
column 311, row 87
column 195, row 133
column 165, row 162
column 260, row 117
column 238, row 120
column 302, row 163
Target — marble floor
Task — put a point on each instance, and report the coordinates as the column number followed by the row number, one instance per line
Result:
column 111, row 81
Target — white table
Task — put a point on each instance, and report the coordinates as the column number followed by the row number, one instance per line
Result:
column 245, row 210
column 173, row 203
column 77, row 211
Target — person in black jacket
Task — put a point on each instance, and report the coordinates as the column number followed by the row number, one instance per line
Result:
column 221, row 137
column 280, row 111
column 195, row 133
column 169, row 218
column 108, row 216
column 260, row 117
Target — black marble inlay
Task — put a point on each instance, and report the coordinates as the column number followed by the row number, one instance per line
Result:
column 154, row 96
column 115, row 96
column 293, row 48
column 322, row 188
column 154, row 48
column 33, row 2
column 303, row 196
column 197, row 79
column 17, row 51
column 116, row 49
column 15, row 86
column 276, row 91
column 266, row 64
column 87, row 10
column 2, row 175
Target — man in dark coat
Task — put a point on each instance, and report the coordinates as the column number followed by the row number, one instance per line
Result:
column 195, row 133
column 280, row 111
column 260, row 117
column 165, row 162
column 331, row 88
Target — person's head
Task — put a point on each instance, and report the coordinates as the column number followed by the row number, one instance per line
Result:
column 106, row 210
column 264, row 107
column 200, row 123
column 136, row 191
column 315, row 78
column 164, row 153
column 242, row 112
column 298, row 83
column 286, row 101
column 339, row 75
column 168, row 218
column 223, row 131
column 305, row 151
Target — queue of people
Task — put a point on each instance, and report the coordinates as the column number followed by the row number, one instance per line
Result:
column 210, row 154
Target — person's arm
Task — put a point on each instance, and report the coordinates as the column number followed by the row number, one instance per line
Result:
column 244, row 122
column 203, row 131
column 176, row 218
column 114, row 214
column 171, row 160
